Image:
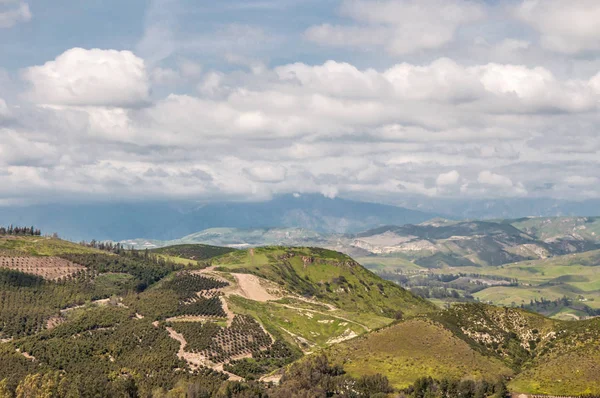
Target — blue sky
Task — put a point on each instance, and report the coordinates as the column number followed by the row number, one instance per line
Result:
column 235, row 99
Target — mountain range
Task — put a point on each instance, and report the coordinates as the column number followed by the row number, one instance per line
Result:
column 117, row 221
column 174, row 219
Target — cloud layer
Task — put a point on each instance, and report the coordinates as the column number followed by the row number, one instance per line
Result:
column 457, row 107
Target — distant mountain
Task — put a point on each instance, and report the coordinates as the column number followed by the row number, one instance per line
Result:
column 437, row 243
column 165, row 221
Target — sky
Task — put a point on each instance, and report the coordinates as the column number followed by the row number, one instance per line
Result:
column 245, row 99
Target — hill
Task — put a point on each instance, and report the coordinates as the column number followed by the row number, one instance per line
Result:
column 133, row 313
column 582, row 229
column 437, row 243
column 166, row 221
column 475, row 341
column 83, row 322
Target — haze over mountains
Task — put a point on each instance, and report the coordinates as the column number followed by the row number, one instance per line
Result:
column 175, row 219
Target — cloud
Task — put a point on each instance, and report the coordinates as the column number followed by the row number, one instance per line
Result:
column 448, row 179
column 581, row 180
column 94, row 77
column 410, row 129
column 488, row 178
column 399, row 26
column 4, row 111
column 13, row 12
column 266, row 173
column 565, row 26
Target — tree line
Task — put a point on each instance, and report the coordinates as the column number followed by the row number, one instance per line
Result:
column 20, row 231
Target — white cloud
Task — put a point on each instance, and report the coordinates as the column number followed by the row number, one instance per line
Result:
column 332, row 128
column 13, row 12
column 497, row 180
column 266, row 173
column 565, row 26
column 448, row 179
column 399, row 26
column 90, row 77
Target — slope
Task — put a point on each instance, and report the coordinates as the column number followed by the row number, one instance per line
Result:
column 328, row 276
column 413, row 349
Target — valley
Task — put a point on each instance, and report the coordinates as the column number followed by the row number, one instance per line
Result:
column 546, row 265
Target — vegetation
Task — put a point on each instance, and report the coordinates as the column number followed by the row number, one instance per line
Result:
column 20, row 231
column 326, row 275
column 187, row 285
column 378, row 338
column 195, row 252
column 413, row 349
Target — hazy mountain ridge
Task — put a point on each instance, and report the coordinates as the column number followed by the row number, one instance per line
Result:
column 172, row 220
column 434, row 243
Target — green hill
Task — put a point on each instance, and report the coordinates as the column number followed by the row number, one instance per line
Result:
column 77, row 321
column 414, row 349
column 328, row 276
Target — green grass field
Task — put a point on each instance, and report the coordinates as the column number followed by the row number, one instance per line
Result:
column 576, row 276
column 40, row 246
column 413, row 349
column 574, row 373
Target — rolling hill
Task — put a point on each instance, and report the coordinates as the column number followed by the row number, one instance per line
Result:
column 121, row 322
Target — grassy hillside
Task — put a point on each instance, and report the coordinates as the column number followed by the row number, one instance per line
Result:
column 327, row 275
column 413, row 349
column 39, row 246
column 576, row 372
column 476, row 341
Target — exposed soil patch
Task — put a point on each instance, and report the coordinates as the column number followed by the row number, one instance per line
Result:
column 54, row 321
column 249, row 286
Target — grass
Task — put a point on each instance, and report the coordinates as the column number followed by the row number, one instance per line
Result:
column 329, row 276
column 41, row 246
column 573, row 275
column 316, row 328
column 412, row 349
column 574, row 373
column 506, row 295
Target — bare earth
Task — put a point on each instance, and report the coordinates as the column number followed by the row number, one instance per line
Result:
column 249, row 286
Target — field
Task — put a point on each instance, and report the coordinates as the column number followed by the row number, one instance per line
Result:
column 51, row 268
column 574, row 276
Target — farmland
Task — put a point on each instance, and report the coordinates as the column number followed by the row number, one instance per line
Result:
column 52, row 268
